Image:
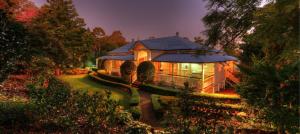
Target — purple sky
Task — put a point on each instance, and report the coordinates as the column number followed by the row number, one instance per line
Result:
column 143, row 18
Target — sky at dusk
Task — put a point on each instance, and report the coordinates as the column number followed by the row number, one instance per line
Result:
column 143, row 18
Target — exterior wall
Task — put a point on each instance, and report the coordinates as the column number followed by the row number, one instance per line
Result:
column 112, row 67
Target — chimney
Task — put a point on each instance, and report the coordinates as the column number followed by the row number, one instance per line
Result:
column 132, row 40
column 177, row 34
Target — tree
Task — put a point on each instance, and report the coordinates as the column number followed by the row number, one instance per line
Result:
column 269, row 61
column 104, row 43
column 127, row 70
column 68, row 41
column 199, row 40
column 228, row 21
column 14, row 46
column 145, row 71
column 21, row 10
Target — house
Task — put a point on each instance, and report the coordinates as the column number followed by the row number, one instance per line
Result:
column 176, row 61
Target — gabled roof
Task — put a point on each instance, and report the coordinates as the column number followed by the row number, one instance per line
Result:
column 123, row 49
column 171, row 43
column 192, row 58
column 165, row 43
column 117, row 57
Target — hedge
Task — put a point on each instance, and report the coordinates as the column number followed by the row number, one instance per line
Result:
column 111, row 78
column 174, row 92
column 135, row 97
column 136, row 112
column 218, row 97
column 159, row 90
column 157, row 107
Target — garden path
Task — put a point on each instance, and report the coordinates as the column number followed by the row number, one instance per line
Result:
column 148, row 115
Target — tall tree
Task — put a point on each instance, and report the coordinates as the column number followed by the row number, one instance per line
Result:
column 199, row 40
column 98, row 34
column 21, row 10
column 228, row 21
column 68, row 40
column 270, row 58
column 104, row 43
column 14, row 46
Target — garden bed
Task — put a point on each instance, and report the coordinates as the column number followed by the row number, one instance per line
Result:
column 135, row 97
column 110, row 77
column 164, row 91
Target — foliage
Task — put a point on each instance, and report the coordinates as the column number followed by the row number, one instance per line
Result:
column 14, row 46
column 104, row 43
column 135, row 97
column 20, row 10
column 135, row 112
column 187, row 115
column 112, row 78
column 138, row 128
column 228, row 21
column 145, row 72
column 75, row 111
column 66, row 40
column 155, row 99
column 127, row 70
column 276, row 95
column 15, row 114
column 270, row 58
column 199, row 40
column 185, row 100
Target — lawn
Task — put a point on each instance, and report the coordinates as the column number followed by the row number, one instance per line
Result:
column 82, row 82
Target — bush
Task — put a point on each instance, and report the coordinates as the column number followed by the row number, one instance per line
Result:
column 135, row 112
column 159, row 90
column 156, row 105
column 145, row 72
column 127, row 70
column 77, row 112
column 112, row 78
column 135, row 97
column 14, row 114
column 218, row 97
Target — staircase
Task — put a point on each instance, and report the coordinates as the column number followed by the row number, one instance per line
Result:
column 229, row 75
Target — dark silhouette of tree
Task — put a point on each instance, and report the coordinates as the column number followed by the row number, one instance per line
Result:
column 270, row 57
column 14, row 46
column 68, row 41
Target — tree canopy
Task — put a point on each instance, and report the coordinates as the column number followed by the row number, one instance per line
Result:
column 14, row 46
column 68, row 41
column 268, row 37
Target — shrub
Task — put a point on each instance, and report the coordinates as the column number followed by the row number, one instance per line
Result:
column 127, row 70
column 112, row 78
column 135, row 112
column 135, row 97
column 77, row 112
column 156, row 105
column 159, row 90
column 145, row 72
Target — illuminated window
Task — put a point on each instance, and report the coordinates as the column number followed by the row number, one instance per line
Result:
column 196, row 68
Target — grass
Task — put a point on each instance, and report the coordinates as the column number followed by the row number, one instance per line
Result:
column 83, row 83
